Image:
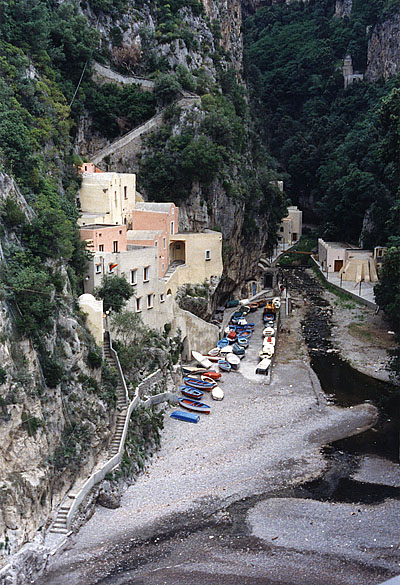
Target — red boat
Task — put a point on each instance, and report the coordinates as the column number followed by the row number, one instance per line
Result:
column 232, row 335
column 211, row 374
column 194, row 405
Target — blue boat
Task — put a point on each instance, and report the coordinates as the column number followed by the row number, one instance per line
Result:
column 185, row 416
column 243, row 342
column 195, row 405
column 223, row 342
column 237, row 350
column 198, row 384
column 190, row 392
column 224, row 365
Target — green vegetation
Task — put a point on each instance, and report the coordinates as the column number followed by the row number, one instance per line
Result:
column 115, row 291
column 332, row 144
column 305, row 244
column 142, row 350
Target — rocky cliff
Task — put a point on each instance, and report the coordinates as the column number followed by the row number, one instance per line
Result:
column 384, row 49
column 55, row 416
column 209, row 47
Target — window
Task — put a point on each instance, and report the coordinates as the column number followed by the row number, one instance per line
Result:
column 172, row 228
column 120, row 231
column 162, row 298
column 163, row 266
column 208, row 255
column 173, row 211
column 156, row 243
column 164, row 243
column 281, row 229
column 98, row 268
column 146, row 273
column 115, row 246
column 115, row 198
column 177, row 247
column 125, row 192
column 150, row 301
column 134, row 276
column 101, row 248
column 138, row 304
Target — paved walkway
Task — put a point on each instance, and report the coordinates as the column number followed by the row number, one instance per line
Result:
column 363, row 290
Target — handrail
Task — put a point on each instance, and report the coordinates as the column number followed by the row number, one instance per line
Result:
column 100, row 474
column 119, row 369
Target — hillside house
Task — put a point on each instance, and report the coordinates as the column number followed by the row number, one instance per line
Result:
column 107, row 198
column 291, row 226
column 350, row 264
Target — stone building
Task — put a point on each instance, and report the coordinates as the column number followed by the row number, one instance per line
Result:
column 291, row 227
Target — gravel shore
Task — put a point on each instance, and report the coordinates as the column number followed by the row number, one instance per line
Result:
column 261, row 439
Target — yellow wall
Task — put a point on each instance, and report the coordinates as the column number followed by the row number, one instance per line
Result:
column 196, row 268
column 110, row 196
column 94, row 310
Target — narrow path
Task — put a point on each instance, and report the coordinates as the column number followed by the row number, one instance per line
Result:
column 137, row 132
column 109, row 75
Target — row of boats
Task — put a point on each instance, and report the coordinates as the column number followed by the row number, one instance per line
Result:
column 227, row 356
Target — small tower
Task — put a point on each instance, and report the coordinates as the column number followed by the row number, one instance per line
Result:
column 348, row 70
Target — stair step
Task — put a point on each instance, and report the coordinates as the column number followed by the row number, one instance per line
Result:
column 59, row 530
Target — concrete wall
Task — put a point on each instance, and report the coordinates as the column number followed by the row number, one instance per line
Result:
column 202, row 257
column 108, row 197
column 105, row 236
column 94, row 310
column 328, row 252
column 165, row 222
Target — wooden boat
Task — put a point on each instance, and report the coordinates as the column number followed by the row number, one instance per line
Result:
column 233, row 360
column 213, row 375
column 266, row 353
column 214, row 351
column 223, row 342
column 243, row 342
column 212, row 358
column 226, row 350
column 269, row 341
column 246, row 333
column 262, row 303
column 268, row 332
column 190, row 392
column 224, row 366
column 217, row 393
column 210, row 380
column 198, row 383
column 185, row 416
column 195, row 405
column 246, row 310
column 189, row 370
column 263, row 366
column 203, row 361
column 237, row 350
column 253, row 307
column 231, row 336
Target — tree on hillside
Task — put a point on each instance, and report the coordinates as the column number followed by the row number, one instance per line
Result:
column 387, row 295
column 115, row 291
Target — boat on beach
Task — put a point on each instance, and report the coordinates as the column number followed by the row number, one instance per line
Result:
column 190, row 392
column 198, row 383
column 224, row 365
column 213, row 375
column 201, row 359
column 195, row 405
column 217, row 393
column 193, row 370
column 234, row 361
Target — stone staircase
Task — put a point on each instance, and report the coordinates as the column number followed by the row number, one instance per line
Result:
column 136, row 133
column 60, row 524
column 172, row 267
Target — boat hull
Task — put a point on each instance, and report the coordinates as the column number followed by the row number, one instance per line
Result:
column 195, row 405
column 198, row 383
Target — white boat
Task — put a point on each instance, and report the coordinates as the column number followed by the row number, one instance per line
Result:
column 268, row 332
column 269, row 341
column 214, row 351
column 201, row 359
column 276, row 302
column 234, row 360
column 226, row 350
column 263, row 366
column 268, row 353
column 207, row 379
column 217, row 393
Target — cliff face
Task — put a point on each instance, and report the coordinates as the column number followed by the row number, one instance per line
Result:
column 52, row 422
column 384, row 49
column 225, row 203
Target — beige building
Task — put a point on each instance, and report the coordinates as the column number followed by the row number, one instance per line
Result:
column 291, row 226
column 198, row 257
column 351, row 264
column 94, row 311
column 107, row 198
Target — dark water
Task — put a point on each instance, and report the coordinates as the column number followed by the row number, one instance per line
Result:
column 348, row 387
